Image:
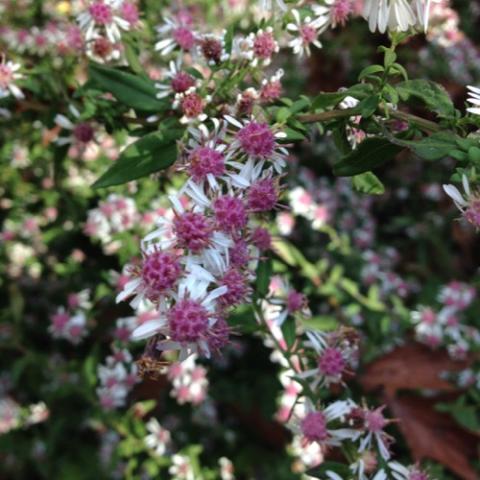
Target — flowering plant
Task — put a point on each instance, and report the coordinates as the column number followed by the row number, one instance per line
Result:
column 191, row 217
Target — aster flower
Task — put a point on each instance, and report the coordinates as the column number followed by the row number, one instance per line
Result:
column 181, row 469
column 9, row 74
column 306, row 31
column 192, row 105
column 333, row 12
column 212, row 48
column 81, row 132
column 392, row 14
column 103, row 15
column 158, row 437
column 268, row 6
column 179, row 81
column 374, row 423
column 468, row 203
column 188, row 323
column 315, row 425
column 178, row 33
column 257, row 140
column 474, row 99
column 400, row 472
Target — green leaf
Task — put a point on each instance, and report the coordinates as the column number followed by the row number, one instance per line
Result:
column 434, row 147
column 370, row 154
column 370, row 70
column 289, row 331
column 435, row 97
column 330, row 99
column 133, row 91
column 323, row 323
column 292, row 136
column 153, row 152
column 369, row 183
column 264, row 272
column 368, row 106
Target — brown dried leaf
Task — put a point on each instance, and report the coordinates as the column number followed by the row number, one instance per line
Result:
column 434, row 435
column 412, row 366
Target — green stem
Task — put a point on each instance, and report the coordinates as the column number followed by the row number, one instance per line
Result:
column 422, row 123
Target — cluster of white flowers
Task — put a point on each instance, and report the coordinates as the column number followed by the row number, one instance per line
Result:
column 199, row 264
column 70, row 323
column 189, row 381
column 444, row 326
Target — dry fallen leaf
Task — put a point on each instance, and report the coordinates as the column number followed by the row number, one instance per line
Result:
column 412, row 366
column 434, row 435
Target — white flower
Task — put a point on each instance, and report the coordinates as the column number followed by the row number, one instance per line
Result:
column 181, row 468
column 103, row 15
column 474, row 99
column 307, row 32
column 158, row 438
column 396, row 15
column 268, row 6
column 468, row 203
column 8, row 76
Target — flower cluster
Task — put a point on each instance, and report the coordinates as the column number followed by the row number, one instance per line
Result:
column 189, row 381
column 199, row 264
column 70, row 323
column 444, row 326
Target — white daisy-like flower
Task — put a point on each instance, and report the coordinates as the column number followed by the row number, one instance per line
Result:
column 474, row 99
column 188, row 323
column 468, row 203
column 175, row 34
column 9, row 74
column 103, row 15
column 158, row 438
column 306, row 32
column 396, row 15
column 257, row 140
column 313, row 424
column 181, row 468
column 80, row 132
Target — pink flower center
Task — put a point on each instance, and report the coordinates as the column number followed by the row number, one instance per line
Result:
column 188, row 321
column 262, row 195
column 193, row 231
column 184, row 37
column 205, row 161
column 192, row 105
column 239, row 256
column 262, row 239
column 83, row 132
column 59, row 320
column 230, row 213
column 264, row 45
column 237, row 285
column 331, row 362
column 308, row 34
column 129, row 12
column 101, row 13
column 314, row 427
column 6, row 76
column 160, row 271
column 374, row 420
column 219, row 335
column 212, row 49
column 181, row 82
column 472, row 214
column 417, row 475
column 271, row 91
column 102, row 47
column 295, row 301
column 340, row 11
column 257, row 139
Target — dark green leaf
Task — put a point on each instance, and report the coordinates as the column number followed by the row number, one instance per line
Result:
column 435, row 97
column 370, row 70
column 264, row 272
column 133, row 91
column 370, row 154
column 153, row 152
column 289, row 331
column 368, row 106
column 436, row 146
column 369, row 183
